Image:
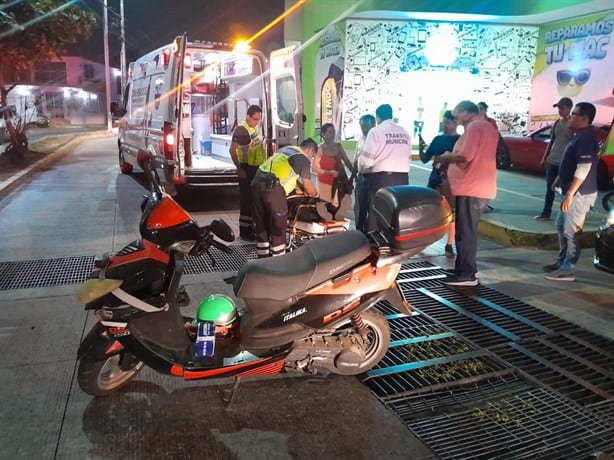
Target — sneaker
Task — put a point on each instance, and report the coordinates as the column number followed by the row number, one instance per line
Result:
column 456, row 281
column 551, row 267
column 344, row 205
column 450, row 251
column 560, row 275
column 323, row 211
column 543, row 216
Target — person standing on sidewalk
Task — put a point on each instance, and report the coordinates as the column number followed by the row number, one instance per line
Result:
column 560, row 137
column 438, row 179
column 472, row 174
column 361, row 191
column 386, row 157
column 248, row 153
column 578, row 181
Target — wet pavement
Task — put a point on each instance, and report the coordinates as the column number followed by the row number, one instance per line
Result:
column 80, row 207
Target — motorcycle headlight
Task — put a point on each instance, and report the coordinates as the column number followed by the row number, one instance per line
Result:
column 183, row 246
column 610, row 219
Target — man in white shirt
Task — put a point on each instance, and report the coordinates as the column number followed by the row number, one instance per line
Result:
column 361, row 191
column 385, row 157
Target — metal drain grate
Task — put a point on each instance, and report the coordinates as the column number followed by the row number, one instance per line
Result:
column 450, row 398
column 394, row 381
column 73, row 270
column 415, row 328
column 484, row 322
column 568, row 367
column 223, row 262
column 45, row 272
column 534, row 424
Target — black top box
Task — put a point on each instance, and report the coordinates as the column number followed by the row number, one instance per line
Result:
column 411, row 217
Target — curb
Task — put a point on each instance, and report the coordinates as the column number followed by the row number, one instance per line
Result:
column 59, row 151
column 514, row 237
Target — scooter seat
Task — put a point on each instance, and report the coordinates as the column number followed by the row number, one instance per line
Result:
column 279, row 278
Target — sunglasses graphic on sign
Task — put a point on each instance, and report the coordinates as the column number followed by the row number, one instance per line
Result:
column 581, row 76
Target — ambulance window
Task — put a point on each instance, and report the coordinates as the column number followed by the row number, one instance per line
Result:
column 286, row 99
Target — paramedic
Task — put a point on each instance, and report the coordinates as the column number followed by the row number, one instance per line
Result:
column 276, row 178
column 247, row 152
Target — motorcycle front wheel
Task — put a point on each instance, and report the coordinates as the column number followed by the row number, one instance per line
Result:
column 378, row 333
column 101, row 378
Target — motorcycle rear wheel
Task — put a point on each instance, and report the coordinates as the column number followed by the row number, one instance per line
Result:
column 378, row 332
column 101, row 378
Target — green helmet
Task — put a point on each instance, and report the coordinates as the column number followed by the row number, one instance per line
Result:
column 218, row 309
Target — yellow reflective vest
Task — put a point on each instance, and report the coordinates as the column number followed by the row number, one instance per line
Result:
column 256, row 153
column 279, row 165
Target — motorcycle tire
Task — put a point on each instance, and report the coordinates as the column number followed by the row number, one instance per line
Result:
column 608, row 201
column 379, row 340
column 101, row 378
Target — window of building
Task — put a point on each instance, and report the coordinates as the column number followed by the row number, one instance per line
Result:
column 50, row 72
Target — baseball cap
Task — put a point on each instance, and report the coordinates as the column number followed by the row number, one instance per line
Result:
column 564, row 101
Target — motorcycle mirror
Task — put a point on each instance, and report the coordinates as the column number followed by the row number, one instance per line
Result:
column 222, row 230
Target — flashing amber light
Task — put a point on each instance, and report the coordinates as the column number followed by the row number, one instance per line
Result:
column 241, row 47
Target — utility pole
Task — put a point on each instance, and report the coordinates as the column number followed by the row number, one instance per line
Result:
column 107, row 67
column 122, row 56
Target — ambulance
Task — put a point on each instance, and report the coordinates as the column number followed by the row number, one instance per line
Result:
column 183, row 100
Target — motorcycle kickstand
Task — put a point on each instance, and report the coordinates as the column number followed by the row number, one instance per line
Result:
column 229, row 395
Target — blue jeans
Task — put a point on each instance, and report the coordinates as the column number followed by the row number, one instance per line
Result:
column 569, row 226
column 362, row 202
column 552, row 171
column 467, row 217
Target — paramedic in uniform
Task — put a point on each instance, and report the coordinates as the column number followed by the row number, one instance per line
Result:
column 385, row 157
column 247, row 151
column 275, row 179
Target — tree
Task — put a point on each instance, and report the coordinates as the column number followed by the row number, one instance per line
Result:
column 35, row 31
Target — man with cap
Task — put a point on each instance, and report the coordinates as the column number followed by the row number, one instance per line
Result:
column 560, row 137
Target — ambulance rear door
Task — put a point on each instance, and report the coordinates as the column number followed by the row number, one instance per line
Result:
column 288, row 117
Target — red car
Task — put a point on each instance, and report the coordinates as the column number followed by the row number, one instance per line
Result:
column 525, row 152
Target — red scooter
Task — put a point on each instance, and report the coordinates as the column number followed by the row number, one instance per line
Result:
column 308, row 311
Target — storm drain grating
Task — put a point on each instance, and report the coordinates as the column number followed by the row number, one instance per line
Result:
column 45, row 272
column 392, row 379
column 223, row 262
column 582, row 374
column 533, row 424
column 479, row 323
column 73, row 270
column 449, row 398
column 414, row 328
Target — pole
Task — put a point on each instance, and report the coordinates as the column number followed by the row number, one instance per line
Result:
column 122, row 56
column 107, row 67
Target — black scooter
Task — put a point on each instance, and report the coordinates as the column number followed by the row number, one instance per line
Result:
column 308, row 311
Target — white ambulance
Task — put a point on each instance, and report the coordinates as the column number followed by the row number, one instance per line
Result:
column 182, row 102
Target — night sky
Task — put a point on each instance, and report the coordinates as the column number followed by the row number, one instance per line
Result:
column 150, row 24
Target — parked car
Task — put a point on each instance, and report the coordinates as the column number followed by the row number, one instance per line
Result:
column 525, row 152
column 4, row 135
column 604, row 239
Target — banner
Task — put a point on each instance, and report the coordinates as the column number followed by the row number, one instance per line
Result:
column 575, row 59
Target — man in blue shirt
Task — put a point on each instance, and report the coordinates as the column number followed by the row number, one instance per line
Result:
column 578, row 182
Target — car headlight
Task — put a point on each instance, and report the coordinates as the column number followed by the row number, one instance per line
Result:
column 183, row 246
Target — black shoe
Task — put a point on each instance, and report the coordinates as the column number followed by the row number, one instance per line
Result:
column 450, row 251
column 551, row 267
column 323, row 211
column 543, row 216
column 456, row 281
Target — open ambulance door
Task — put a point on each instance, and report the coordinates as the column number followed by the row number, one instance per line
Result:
column 288, row 117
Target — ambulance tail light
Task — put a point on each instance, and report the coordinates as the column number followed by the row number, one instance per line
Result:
column 166, row 56
column 169, row 140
